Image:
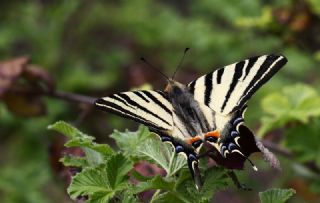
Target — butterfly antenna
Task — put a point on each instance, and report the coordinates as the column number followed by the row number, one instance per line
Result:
column 180, row 63
column 154, row 68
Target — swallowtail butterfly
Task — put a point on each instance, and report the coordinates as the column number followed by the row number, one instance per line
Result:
column 209, row 109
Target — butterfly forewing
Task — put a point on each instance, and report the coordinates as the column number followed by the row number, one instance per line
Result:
column 148, row 107
column 228, row 89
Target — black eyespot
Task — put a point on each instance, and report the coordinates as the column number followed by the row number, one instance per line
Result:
column 234, row 134
column 192, row 157
column 212, row 139
column 196, row 144
column 179, row 149
column 231, row 146
column 165, row 139
column 237, row 121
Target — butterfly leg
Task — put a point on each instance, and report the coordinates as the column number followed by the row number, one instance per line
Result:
column 236, row 181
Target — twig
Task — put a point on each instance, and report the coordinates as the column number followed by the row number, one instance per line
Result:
column 277, row 149
column 71, row 97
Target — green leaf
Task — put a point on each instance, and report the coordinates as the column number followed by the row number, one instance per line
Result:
column 79, row 139
column 129, row 141
column 214, row 179
column 288, row 106
column 276, row 195
column 162, row 154
column 92, row 182
column 103, row 182
column 70, row 160
column 167, row 197
column 66, row 129
column 145, row 145
column 157, row 182
column 300, row 139
column 118, row 166
column 127, row 197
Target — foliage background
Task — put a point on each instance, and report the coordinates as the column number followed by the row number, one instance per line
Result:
column 93, row 48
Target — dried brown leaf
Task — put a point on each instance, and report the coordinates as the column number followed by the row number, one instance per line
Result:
column 24, row 104
column 36, row 73
column 10, row 70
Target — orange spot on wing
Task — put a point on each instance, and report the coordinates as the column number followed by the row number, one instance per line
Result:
column 194, row 139
column 212, row 134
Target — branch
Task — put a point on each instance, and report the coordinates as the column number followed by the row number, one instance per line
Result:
column 71, row 97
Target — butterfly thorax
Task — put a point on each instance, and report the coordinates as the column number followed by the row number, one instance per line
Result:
column 188, row 117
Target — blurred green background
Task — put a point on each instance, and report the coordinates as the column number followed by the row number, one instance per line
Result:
column 93, row 48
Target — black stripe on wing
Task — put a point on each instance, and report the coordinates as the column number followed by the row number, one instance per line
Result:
column 251, row 63
column 236, row 76
column 258, row 80
column 135, row 104
column 118, row 110
column 155, row 100
column 208, row 84
column 139, row 94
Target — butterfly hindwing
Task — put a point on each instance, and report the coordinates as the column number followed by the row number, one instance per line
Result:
column 229, row 88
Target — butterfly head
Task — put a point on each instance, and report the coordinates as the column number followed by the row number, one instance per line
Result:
column 174, row 87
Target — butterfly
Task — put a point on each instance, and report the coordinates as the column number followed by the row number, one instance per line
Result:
column 209, row 110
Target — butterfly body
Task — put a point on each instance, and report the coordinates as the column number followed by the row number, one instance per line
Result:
column 209, row 109
column 187, row 111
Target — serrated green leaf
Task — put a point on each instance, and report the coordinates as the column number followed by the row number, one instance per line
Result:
column 93, row 157
column 145, row 145
column 161, row 154
column 276, row 195
column 167, row 197
column 129, row 198
column 91, row 182
column 67, row 130
column 79, row 139
column 118, row 166
column 157, row 182
column 75, row 161
column 140, row 177
column 101, row 197
column 214, row 179
column 128, row 141
column 102, row 182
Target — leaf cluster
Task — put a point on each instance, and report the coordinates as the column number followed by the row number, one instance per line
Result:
column 105, row 173
column 109, row 176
